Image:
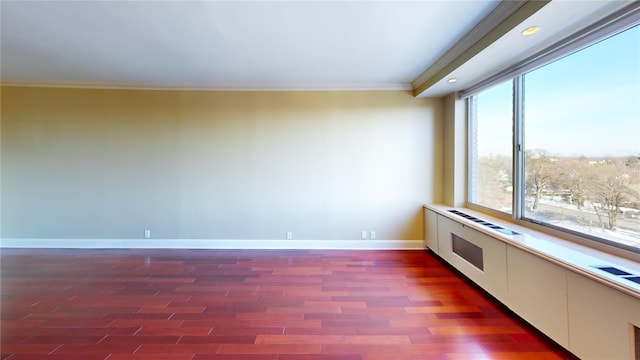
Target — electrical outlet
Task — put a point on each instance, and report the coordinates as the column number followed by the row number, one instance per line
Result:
column 289, row 235
column 373, row 235
column 147, row 234
column 363, row 235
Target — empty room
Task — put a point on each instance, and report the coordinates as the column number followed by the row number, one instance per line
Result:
column 314, row 180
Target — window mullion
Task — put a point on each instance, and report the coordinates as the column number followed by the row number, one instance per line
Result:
column 472, row 137
column 518, row 147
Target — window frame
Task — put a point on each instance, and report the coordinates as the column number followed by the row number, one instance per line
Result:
column 608, row 27
column 471, row 117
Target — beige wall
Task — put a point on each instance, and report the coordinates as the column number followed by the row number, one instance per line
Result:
column 217, row 165
column 454, row 134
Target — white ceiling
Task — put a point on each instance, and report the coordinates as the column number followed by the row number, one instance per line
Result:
column 259, row 44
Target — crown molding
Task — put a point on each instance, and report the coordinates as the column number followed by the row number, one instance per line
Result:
column 211, row 87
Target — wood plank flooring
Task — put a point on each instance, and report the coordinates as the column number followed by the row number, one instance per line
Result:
column 249, row 304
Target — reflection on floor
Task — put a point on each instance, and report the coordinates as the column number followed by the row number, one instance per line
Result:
column 248, row 304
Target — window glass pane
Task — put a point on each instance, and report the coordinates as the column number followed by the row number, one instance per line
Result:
column 491, row 154
column 582, row 140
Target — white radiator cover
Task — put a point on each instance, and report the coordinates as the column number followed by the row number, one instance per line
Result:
column 589, row 318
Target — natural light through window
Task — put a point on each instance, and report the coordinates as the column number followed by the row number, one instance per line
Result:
column 580, row 126
column 491, row 148
column 582, row 140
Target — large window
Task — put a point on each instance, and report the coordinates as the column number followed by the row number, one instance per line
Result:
column 577, row 129
column 491, row 148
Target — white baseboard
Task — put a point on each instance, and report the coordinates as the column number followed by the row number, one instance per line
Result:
column 213, row 244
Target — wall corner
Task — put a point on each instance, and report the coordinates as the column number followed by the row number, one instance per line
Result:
column 455, row 150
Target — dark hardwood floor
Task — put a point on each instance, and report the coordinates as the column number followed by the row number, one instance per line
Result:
column 247, row 304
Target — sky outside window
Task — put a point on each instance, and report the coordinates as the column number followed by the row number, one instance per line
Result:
column 582, row 140
column 587, row 103
column 581, row 117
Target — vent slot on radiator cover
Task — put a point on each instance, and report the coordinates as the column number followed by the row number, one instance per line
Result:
column 468, row 251
column 612, row 270
column 618, row 272
column 485, row 223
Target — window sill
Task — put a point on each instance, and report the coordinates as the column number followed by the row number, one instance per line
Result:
column 570, row 255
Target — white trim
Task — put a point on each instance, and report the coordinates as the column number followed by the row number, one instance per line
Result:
column 213, row 244
column 212, row 87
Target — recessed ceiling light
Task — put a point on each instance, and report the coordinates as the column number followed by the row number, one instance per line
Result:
column 530, row 31
column 452, row 80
